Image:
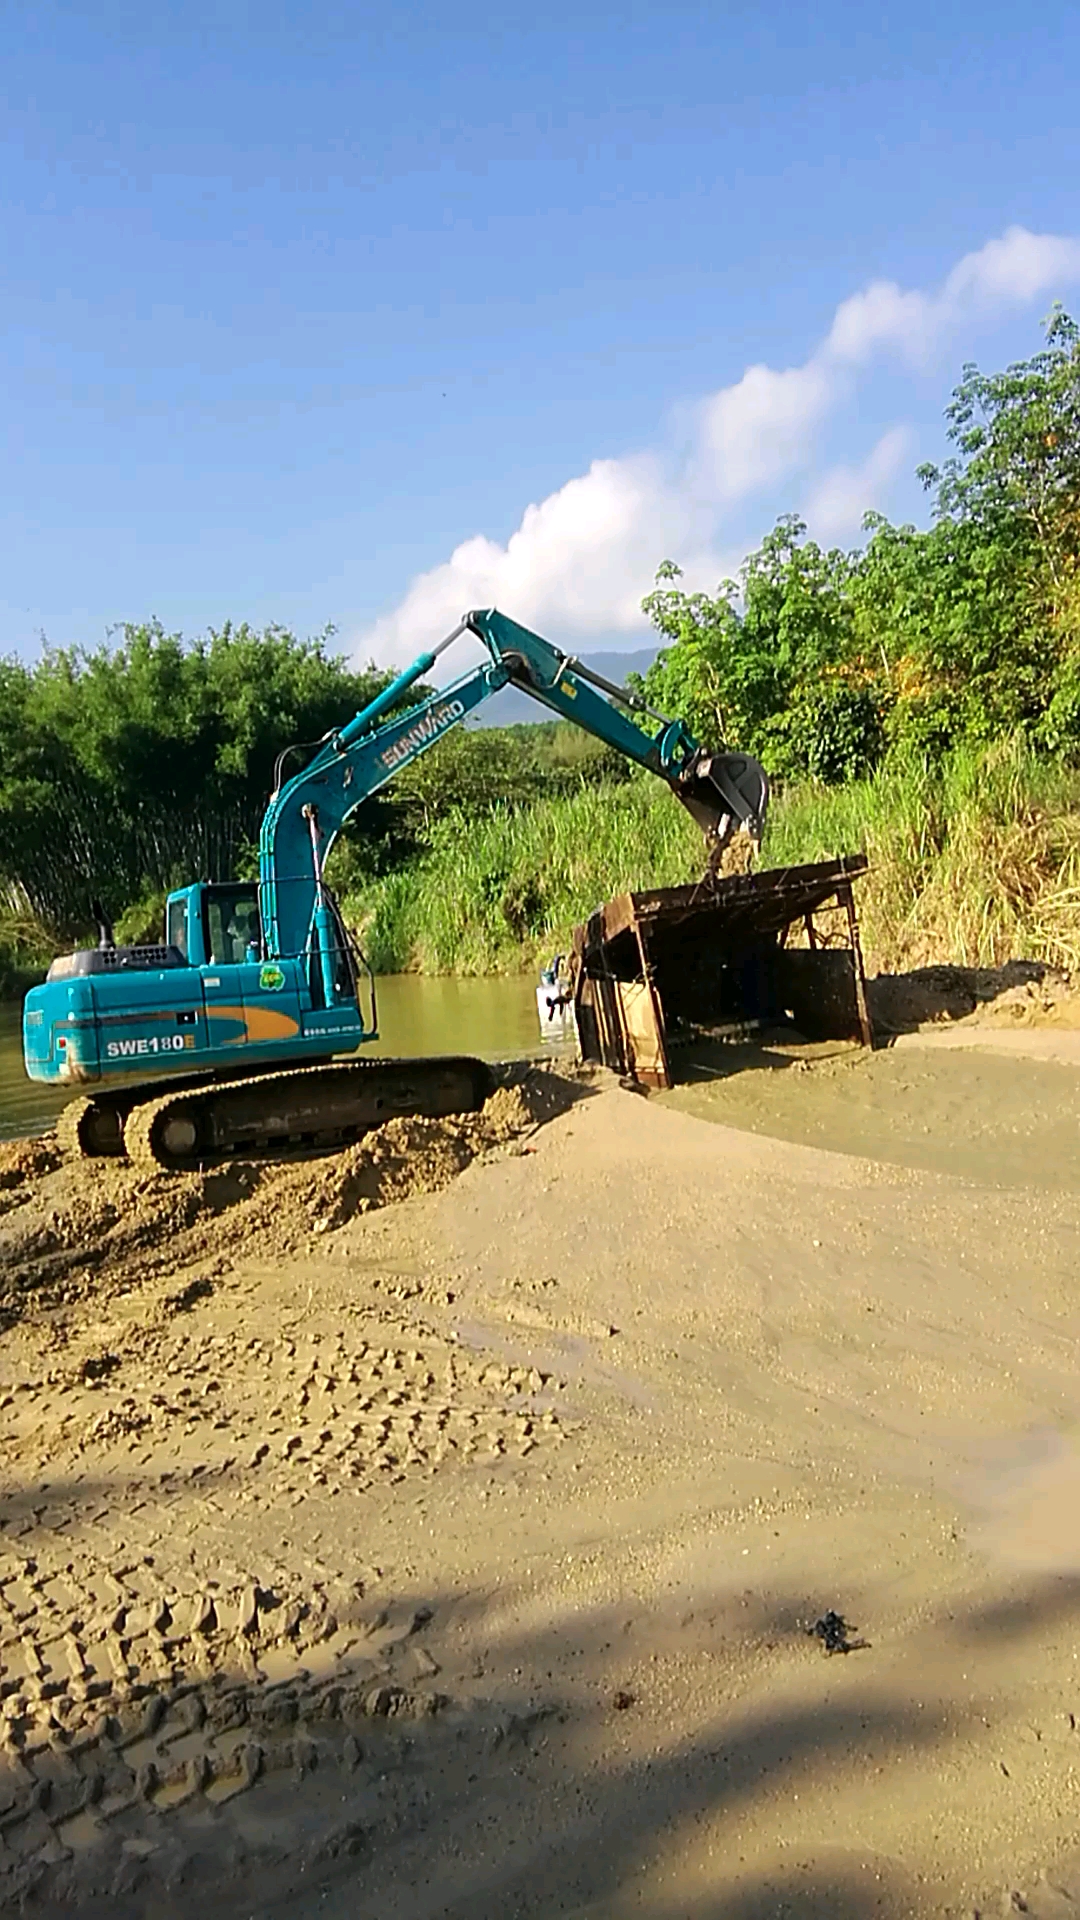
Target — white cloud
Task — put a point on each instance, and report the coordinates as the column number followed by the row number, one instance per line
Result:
column 759, row 429
column 574, row 563
column 1007, row 272
column 836, row 503
column 1018, row 267
column 880, row 316
column 580, row 560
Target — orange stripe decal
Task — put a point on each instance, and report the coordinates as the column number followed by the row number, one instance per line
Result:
column 266, row 1023
column 257, row 1023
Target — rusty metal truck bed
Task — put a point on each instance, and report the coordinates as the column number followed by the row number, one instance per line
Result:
column 652, row 968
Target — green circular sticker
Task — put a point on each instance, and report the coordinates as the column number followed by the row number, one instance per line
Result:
column 271, row 978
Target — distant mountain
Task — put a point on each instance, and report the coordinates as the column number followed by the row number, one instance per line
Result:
column 510, row 708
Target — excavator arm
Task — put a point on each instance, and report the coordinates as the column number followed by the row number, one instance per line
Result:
column 720, row 790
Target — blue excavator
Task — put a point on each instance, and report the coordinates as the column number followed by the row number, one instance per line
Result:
column 229, row 1036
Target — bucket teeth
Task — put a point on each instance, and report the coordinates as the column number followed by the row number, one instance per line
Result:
column 724, row 791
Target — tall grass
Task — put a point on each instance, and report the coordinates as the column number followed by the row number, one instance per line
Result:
column 496, row 890
column 974, row 863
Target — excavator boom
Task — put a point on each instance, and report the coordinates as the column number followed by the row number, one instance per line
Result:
column 721, row 790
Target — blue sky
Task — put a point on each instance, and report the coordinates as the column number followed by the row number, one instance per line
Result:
column 364, row 314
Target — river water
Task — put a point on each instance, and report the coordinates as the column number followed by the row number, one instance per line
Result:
column 495, row 1019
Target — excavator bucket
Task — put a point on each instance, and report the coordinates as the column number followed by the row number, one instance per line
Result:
column 656, row 973
column 722, row 792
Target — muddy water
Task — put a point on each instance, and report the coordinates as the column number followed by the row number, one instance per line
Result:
column 495, row 1019
column 998, row 1120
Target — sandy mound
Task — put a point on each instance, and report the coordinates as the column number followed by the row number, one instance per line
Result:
column 1025, row 991
column 480, row 1558
column 1049, row 1001
column 76, row 1226
column 187, row 1625
column 415, row 1155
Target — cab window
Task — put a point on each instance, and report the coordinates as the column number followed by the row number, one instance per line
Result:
column 232, row 926
column 176, row 929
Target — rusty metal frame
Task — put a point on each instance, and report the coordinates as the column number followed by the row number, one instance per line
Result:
column 769, row 903
column 847, row 898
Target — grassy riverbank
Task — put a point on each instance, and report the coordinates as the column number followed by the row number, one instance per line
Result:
column 975, row 862
column 497, row 888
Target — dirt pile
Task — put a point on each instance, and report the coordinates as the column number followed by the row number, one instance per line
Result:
column 67, row 1227
column 414, row 1155
column 1051, row 1000
column 23, row 1160
column 1022, row 992
column 607, row 1439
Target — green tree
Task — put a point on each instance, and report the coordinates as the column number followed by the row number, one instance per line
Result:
column 969, row 630
column 1017, row 469
column 781, row 673
column 134, row 767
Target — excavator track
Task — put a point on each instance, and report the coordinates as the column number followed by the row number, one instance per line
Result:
column 306, row 1107
column 88, row 1127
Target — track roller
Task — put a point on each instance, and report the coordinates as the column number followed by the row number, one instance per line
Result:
column 161, row 1135
column 88, row 1127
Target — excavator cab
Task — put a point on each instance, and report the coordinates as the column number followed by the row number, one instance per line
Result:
column 215, row 924
column 207, row 998
column 218, row 927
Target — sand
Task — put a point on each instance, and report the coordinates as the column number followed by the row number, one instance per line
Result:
column 452, row 1543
